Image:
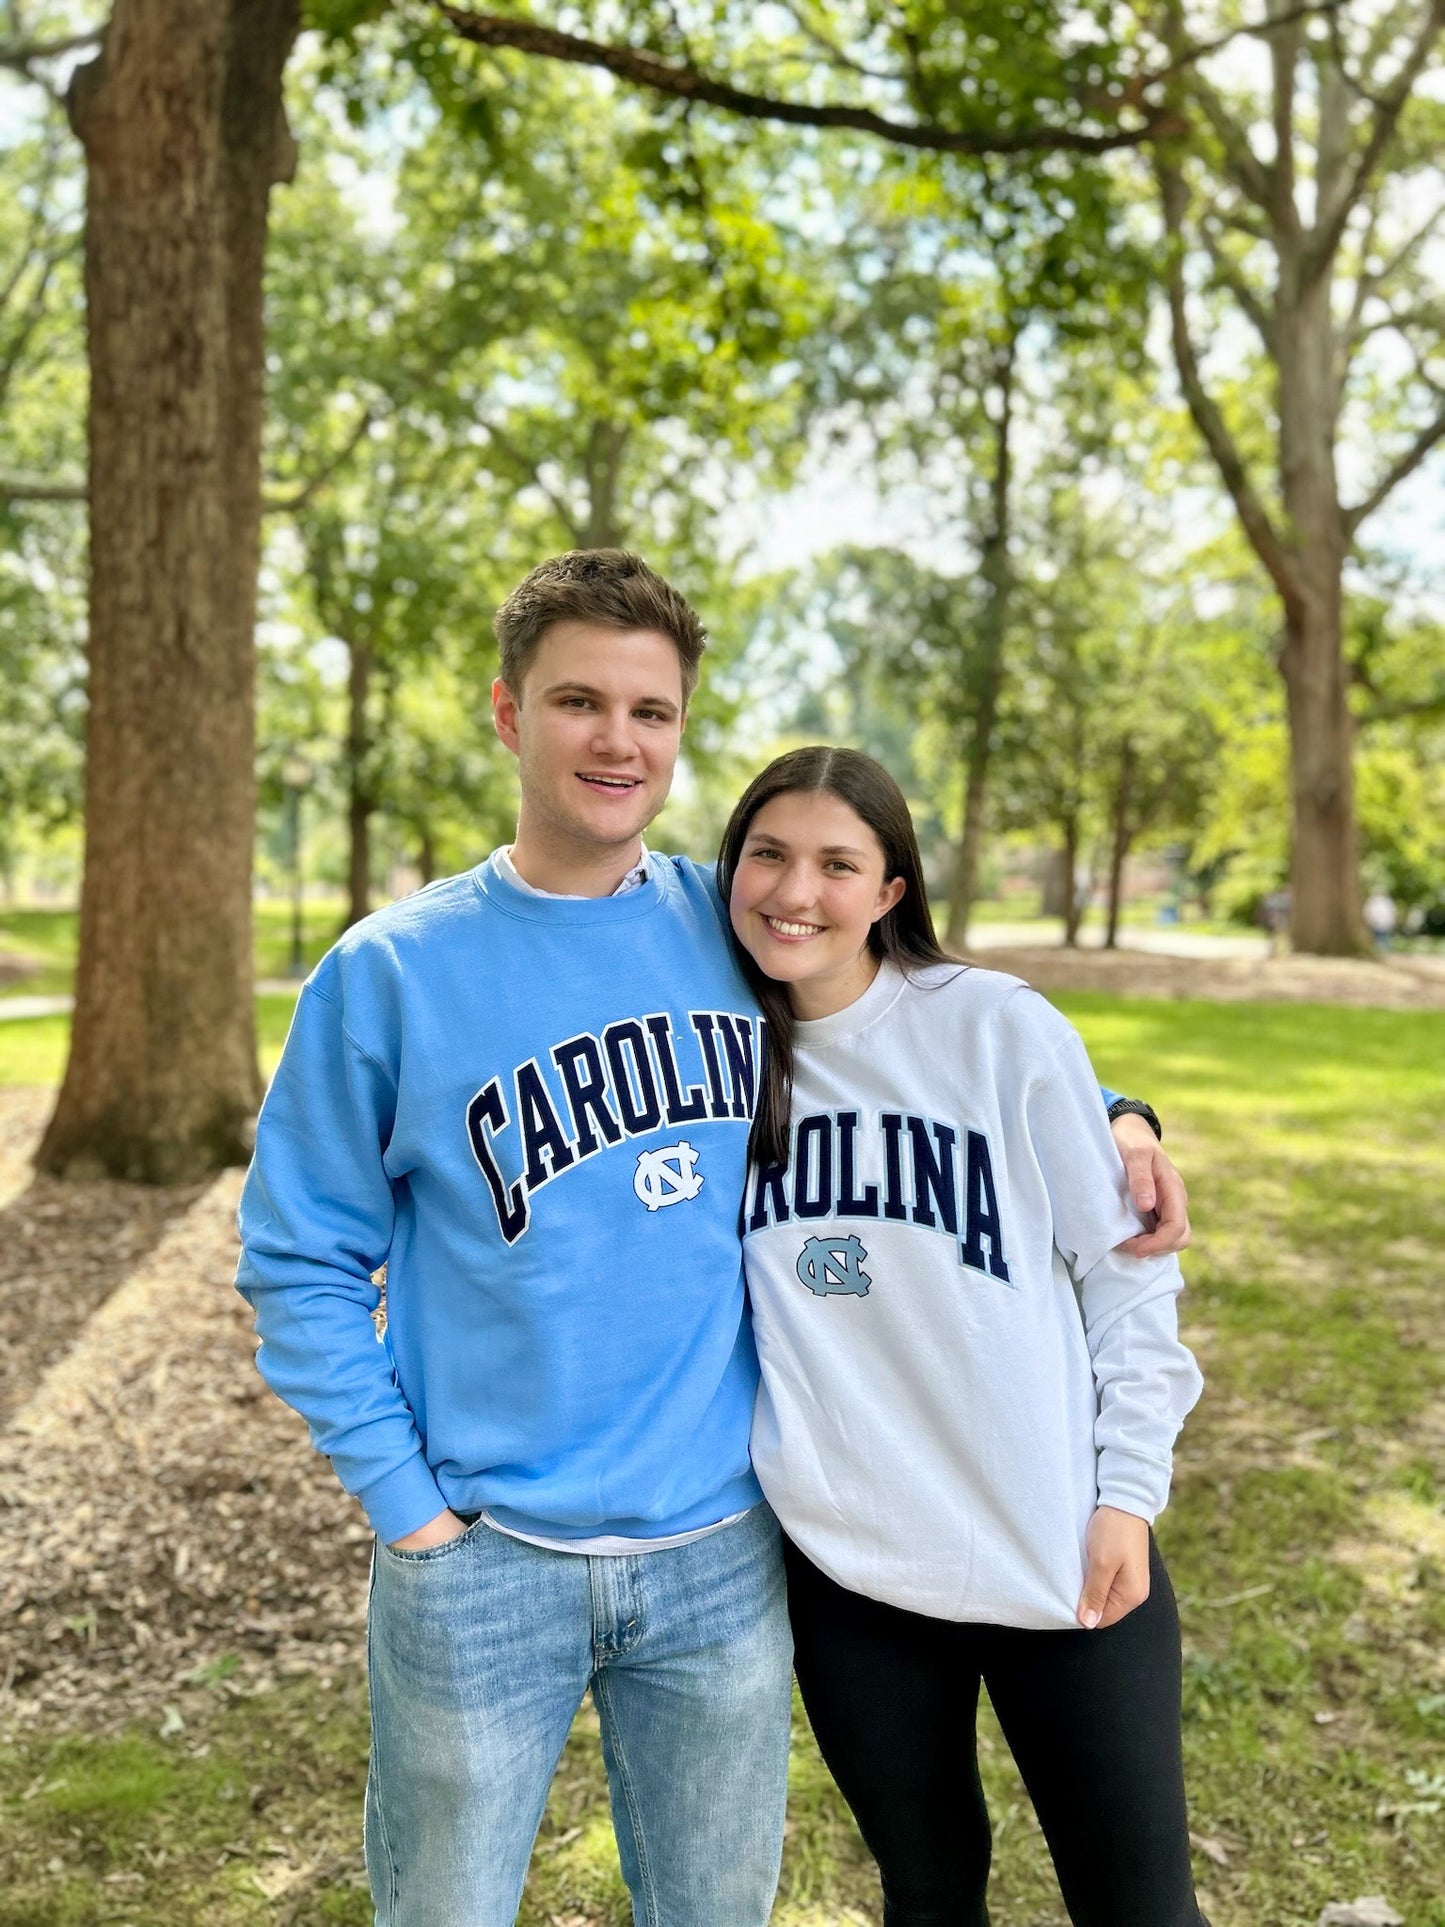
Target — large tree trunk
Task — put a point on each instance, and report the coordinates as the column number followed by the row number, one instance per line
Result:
column 360, row 803
column 1123, row 836
column 181, row 120
column 1073, row 909
column 606, row 444
column 987, row 669
column 1325, row 914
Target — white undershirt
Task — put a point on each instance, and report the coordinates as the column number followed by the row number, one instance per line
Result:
column 634, row 879
column 610, row 1545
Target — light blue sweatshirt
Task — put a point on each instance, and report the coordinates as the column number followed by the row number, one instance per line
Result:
column 534, row 1112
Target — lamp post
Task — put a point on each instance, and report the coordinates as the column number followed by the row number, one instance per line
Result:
column 295, row 776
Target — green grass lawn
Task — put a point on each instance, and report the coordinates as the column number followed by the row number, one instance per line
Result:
column 32, row 1049
column 44, row 941
column 1306, row 1540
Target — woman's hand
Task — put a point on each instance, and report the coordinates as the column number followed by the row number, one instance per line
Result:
column 1117, row 1580
column 1155, row 1186
column 436, row 1532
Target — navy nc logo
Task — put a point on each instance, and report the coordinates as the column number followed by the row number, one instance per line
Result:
column 827, row 1265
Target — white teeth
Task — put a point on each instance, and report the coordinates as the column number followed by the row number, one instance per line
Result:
column 614, row 782
column 786, row 929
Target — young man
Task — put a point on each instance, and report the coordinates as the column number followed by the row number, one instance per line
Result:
column 526, row 1091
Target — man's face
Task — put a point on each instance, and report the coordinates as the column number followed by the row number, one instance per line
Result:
column 595, row 733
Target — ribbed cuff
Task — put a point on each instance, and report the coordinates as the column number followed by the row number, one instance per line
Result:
column 1135, row 1485
column 403, row 1500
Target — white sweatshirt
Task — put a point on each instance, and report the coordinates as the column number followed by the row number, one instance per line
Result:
column 957, row 1366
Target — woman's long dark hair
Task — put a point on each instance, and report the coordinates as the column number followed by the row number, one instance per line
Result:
column 904, row 935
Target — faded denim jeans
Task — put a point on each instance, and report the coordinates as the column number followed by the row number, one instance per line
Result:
column 480, row 1652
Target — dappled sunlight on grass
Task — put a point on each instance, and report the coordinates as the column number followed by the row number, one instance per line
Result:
column 1306, row 1541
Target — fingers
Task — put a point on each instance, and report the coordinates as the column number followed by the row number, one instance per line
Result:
column 1116, row 1576
column 1124, row 1595
column 1139, row 1170
column 1171, row 1231
column 1098, row 1584
column 1112, row 1589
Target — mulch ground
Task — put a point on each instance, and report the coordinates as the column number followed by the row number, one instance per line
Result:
column 160, row 1511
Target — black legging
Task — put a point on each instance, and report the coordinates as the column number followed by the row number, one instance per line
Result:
column 1092, row 1719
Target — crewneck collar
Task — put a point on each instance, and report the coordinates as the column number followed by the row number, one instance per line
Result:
column 877, row 1000
column 498, row 889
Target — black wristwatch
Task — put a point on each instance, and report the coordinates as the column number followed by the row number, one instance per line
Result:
column 1136, row 1107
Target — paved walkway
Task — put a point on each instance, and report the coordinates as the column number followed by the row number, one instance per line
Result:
column 13, row 1007
column 1158, row 940
column 61, row 1006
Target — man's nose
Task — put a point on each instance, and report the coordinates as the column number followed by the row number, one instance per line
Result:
column 611, row 735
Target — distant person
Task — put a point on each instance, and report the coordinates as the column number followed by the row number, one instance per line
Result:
column 1381, row 918
column 970, row 1393
column 527, row 1091
column 1275, row 911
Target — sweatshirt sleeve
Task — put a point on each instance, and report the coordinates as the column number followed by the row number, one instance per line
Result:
column 316, row 1219
column 1146, row 1379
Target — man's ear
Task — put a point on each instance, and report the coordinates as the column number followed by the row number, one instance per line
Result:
column 504, row 714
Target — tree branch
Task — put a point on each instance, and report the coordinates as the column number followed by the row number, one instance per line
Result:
column 1253, row 177
column 301, row 497
column 1405, row 465
column 1255, row 29
column 1253, row 514
column 1284, row 50
column 1385, row 711
column 25, row 57
column 1231, row 276
column 1329, row 229
column 532, row 477
column 642, row 69
column 18, row 54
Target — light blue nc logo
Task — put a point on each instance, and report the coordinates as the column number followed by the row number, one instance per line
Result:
column 828, row 1265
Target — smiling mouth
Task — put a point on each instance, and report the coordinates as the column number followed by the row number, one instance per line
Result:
column 614, row 785
column 785, row 927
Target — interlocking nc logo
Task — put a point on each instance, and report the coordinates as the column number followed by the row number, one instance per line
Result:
column 833, row 1264
column 667, row 1177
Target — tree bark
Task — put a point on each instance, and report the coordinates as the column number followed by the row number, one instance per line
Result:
column 360, row 803
column 1072, row 910
column 426, row 857
column 1326, row 918
column 1123, row 836
column 606, row 444
column 987, row 675
column 184, row 135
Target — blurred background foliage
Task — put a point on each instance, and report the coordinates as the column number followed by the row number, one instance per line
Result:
column 902, row 424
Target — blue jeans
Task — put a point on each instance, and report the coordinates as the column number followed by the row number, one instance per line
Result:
column 480, row 1652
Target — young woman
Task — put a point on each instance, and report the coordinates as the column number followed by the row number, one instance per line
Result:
column 969, row 1397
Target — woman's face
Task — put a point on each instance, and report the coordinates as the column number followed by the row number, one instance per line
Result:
column 808, row 888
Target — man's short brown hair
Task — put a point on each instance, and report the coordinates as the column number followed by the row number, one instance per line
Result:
column 608, row 586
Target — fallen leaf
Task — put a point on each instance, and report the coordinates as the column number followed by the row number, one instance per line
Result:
column 1214, row 1850
column 1370, row 1910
